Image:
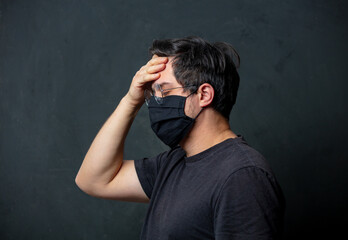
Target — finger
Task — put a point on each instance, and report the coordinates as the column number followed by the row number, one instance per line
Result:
column 151, row 77
column 141, row 72
column 156, row 68
column 157, row 60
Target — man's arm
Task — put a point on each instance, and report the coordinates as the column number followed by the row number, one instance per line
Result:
column 103, row 172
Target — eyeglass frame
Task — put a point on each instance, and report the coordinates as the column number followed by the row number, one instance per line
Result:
column 159, row 100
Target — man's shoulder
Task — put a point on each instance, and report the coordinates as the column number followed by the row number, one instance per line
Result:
column 167, row 157
column 237, row 154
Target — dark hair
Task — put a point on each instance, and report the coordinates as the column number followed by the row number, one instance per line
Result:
column 197, row 61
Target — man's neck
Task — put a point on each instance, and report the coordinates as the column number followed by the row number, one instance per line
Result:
column 207, row 132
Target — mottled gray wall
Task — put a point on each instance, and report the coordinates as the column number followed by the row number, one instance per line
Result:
column 64, row 65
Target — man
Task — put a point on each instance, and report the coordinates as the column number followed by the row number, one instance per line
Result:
column 211, row 184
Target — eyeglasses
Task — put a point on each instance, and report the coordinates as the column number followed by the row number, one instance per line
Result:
column 158, row 93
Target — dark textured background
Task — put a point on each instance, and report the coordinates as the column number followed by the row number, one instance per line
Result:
column 64, row 65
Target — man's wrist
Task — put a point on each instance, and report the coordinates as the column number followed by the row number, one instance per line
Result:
column 136, row 105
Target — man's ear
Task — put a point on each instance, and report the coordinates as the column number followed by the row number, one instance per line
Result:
column 206, row 94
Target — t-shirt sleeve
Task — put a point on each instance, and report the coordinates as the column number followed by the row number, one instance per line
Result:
column 250, row 206
column 147, row 170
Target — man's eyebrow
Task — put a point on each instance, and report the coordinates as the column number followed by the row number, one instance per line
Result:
column 161, row 84
column 165, row 83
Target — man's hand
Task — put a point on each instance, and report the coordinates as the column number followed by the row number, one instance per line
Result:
column 146, row 74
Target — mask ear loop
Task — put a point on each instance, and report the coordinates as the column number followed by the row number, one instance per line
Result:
column 199, row 111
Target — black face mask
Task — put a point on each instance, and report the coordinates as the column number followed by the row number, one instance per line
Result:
column 169, row 121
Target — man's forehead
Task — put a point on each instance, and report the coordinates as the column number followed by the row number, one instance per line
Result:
column 167, row 77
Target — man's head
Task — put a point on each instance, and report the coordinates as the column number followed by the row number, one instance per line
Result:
column 195, row 62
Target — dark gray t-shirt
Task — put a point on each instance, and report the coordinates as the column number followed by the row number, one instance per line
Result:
column 225, row 192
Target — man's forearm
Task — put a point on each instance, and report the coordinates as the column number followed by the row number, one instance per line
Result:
column 105, row 155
